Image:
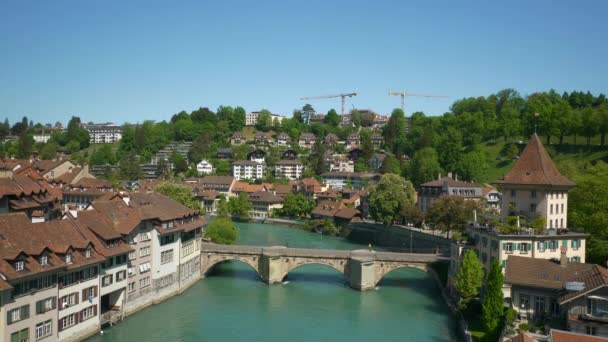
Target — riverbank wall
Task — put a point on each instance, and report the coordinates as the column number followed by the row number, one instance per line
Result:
column 399, row 238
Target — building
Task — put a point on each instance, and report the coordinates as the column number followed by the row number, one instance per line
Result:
column 446, row 186
column 251, row 119
column 353, row 140
column 534, row 188
column 103, row 133
column 283, row 139
column 346, row 180
column 492, row 197
column 376, row 161
column 42, row 138
column 237, row 139
column 377, row 140
column 263, row 203
column 566, row 336
column 50, row 169
column 342, row 165
column 221, row 184
column 257, row 156
column 354, row 153
column 246, row 169
column 50, row 282
column 559, row 291
column 290, row 155
column 26, row 191
column 290, row 169
column 79, row 195
column 204, row 167
column 224, row 153
column 261, row 138
column 307, row 140
column 331, row 139
column 166, row 153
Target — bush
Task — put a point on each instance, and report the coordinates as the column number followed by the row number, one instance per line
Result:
column 524, row 327
column 222, row 231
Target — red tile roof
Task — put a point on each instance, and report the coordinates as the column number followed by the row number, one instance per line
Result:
column 566, row 336
column 535, row 167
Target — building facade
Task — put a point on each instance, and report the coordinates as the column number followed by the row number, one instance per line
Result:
column 246, row 169
column 103, row 133
column 290, row 169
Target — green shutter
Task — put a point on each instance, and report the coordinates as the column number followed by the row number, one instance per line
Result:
column 39, row 307
column 504, row 264
column 529, row 247
column 25, row 312
column 504, row 246
column 565, row 243
column 15, row 337
column 9, row 319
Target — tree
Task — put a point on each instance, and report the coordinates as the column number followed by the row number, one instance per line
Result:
column 295, row 206
column 394, row 132
column 240, row 206
column 425, row 165
column 179, row 163
column 387, row 198
column 355, row 118
column 73, row 146
column 332, row 118
column 222, row 231
column 451, row 212
column 509, row 150
column 129, row 167
column 49, row 150
column 317, row 157
column 468, row 278
column 180, row 194
column 264, row 122
column 493, row 306
column 306, row 113
column 222, row 207
column 473, row 166
column 25, row 145
column 591, row 124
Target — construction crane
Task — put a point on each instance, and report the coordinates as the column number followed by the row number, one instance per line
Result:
column 404, row 94
column 343, row 96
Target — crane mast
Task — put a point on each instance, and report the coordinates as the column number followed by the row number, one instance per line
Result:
column 404, row 94
column 343, row 96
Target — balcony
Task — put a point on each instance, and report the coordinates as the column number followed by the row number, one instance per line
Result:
column 111, row 316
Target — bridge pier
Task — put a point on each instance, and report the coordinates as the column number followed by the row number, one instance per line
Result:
column 362, row 275
column 272, row 267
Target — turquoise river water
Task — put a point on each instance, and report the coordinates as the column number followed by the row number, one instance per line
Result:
column 232, row 304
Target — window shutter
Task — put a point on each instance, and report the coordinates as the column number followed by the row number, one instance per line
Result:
column 572, row 244
column 95, row 291
column 9, row 319
column 95, row 310
column 39, row 307
column 60, row 324
column 25, row 311
column 54, row 302
column 76, row 297
column 504, row 246
column 84, row 295
column 565, row 243
column 517, row 246
column 529, row 246
column 77, row 276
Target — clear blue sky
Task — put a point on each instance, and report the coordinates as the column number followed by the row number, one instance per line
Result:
column 135, row 60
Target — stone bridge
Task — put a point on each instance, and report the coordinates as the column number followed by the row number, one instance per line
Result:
column 362, row 269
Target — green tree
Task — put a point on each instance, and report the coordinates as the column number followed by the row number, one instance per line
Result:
column 295, row 206
column 355, row 118
column 317, row 157
column 240, row 206
column 493, row 306
column 509, row 151
column 394, row 132
column 450, row 213
column 180, row 194
column 306, row 113
column 222, row 231
column 332, row 118
column 222, row 207
column 264, row 122
column 473, row 166
column 129, row 167
column 468, row 278
column 73, row 146
column 425, row 165
column 390, row 195
column 25, row 145
column 49, row 150
column 179, row 163
column 590, row 123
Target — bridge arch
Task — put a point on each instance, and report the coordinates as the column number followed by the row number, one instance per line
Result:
column 338, row 265
column 208, row 262
column 384, row 269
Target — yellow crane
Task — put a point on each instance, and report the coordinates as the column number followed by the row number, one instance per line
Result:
column 404, row 94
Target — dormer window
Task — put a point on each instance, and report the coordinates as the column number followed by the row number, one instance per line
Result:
column 19, row 265
column 87, row 253
column 68, row 258
column 44, row 260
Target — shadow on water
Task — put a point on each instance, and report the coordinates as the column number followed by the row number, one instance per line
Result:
column 233, row 269
column 312, row 277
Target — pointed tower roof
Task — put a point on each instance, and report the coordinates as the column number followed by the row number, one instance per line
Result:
column 535, row 167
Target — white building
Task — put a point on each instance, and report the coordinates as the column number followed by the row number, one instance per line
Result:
column 103, row 133
column 290, row 169
column 204, row 167
column 251, row 119
column 41, row 138
column 246, row 169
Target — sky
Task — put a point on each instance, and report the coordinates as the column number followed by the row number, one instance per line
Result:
column 129, row 61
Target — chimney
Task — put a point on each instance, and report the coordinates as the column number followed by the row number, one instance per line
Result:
column 563, row 259
column 449, row 175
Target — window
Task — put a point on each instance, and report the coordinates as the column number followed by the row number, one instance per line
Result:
column 44, row 260
column 575, row 244
column 575, row 259
column 107, row 280
column 562, row 208
column 144, row 282
column 550, row 223
column 89, row 293
column 121, row 259
column 524, row 301
column 532, row 207
column 69, row 300
column 132, row 287
column 533, row 194
column 46, row 305
column 144, row 267
column 89, row 312
column 132, row 255
column 166, row 239
column 121, row 275
column 19, row 265
column 18, row 314
column 68, row 258
column 166, row 256
column 87, row 252
column 507, row 247
column 21, row 336
column 590, row 330
column 513, row 193
column 551, row 209
column 67, row 321
column 539, row 305
column 166, row 281
column 524, row 247
column 540, row 246
column 44, row 329
column 145, row 237
column 144, row 251
column 561, row 223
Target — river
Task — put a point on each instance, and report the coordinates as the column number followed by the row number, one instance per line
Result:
column 314, row 304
